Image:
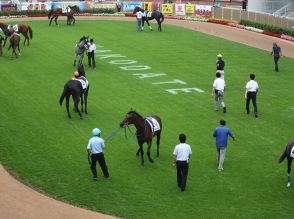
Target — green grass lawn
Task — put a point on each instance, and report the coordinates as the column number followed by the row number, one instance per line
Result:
column 47, row 150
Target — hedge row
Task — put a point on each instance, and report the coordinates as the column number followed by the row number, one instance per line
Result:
column 268, row 28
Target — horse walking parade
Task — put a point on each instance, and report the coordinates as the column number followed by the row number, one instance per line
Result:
column 116, row 105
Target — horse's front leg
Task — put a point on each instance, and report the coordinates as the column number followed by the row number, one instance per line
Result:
column 289, row 171
column 142, row 152
column 56, row 21
column 75, row 60
column 86, row 99
column 5, row 39
column 18, row 49
column 149, row 25
column 76, row 103
column 148, row 151
column 81, row 58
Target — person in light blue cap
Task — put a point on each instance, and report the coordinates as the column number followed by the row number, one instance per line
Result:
column 95, row 151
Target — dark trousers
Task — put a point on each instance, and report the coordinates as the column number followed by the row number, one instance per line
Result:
column 182, row 173
column 251, row 96
column 100, row 158
column 276, row 59
column 91, row 57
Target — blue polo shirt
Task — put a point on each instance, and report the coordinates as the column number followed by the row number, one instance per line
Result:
column 276, row 50
column 221, row 134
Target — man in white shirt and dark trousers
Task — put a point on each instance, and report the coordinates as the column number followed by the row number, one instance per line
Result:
column 95, row 149
column 250, row 94
column 91, row 53
column 181, row 157
column 218, row 89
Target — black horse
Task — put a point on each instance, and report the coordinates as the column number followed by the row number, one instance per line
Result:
column 289, row 154
column 78, row 88
column 158, row 16
column 147, row 128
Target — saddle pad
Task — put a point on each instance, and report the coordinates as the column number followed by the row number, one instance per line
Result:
column 14, row 27
column 84, row 82
column 153, row 124
column 292, row 153
column 147, row 14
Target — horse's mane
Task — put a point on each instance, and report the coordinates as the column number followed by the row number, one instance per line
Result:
column 133, row 111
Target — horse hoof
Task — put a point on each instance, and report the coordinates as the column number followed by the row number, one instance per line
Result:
column 81, row 117
column 288, row 185
column 151, row 161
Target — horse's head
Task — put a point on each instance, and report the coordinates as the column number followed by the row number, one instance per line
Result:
column 84, row 42
column 130, row 118
column 136, row 9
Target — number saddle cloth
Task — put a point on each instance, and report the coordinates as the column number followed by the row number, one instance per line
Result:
column 154, row 125
column 147, row 14
column 83, row 81
column 292, row 153
column 14, row 27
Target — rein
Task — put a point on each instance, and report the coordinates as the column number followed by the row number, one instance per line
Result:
column 137, row 135
column 112, row 134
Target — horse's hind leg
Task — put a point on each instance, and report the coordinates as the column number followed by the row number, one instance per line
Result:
column 148, row 151
column 67, row 106
column 142, row 152
column 158, row 143
column 289, row 171
column 86, row 99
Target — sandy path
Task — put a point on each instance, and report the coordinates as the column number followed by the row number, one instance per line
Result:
column 20, row 201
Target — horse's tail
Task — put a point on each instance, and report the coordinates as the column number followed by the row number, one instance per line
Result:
column 31, row 32
column 49, row 14
column 63, row 95
column 162, row 18
column 283, row 156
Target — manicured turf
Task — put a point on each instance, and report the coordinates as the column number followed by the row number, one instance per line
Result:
column 48, row 150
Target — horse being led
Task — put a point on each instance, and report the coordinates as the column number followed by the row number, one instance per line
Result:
column 78, row 88
column 24, row 29
column 68, row 11
column 148, row 15
column 80, row 49
column 289, row 154
column 14, row 43
column 147, row 128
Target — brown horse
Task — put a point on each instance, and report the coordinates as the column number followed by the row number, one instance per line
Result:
column 70, row 11
column 24, row 29
column 147, row 128
column 14, row 43
column 289, row 154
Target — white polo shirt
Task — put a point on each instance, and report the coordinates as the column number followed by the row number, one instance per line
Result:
column 92, row 47
column 96, row 145
column 252, row 86
column 140, row 14
column 219, row 84
column 182, row 152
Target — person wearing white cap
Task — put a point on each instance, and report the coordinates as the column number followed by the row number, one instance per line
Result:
column 95, row 150
column 220, row 65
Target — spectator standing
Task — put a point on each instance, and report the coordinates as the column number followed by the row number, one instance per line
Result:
column 181, row 155
column 221, row 134
column 139, row 20
column 1, row 47
column 218, row 89
column 244, row 5
column 250, row 94
column 91, row 53
column 277, row 54
column 95, row 150
column 220, row 65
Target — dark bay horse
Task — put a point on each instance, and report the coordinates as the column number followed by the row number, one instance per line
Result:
column 14, row 43
column 24, row 29
column 78, row 88
column 289, row 154
column 147, row 128
column 157, row 15
column 70, row 11
column 80, row 49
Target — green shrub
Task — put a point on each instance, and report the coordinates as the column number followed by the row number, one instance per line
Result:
column 269, row 28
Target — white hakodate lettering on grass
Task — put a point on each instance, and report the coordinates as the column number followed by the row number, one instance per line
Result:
column 110, row 56
column 122, row 62
column 186, row 90
column 150, row 75
column 136, row 68
column 101, row 51
column 176, row 81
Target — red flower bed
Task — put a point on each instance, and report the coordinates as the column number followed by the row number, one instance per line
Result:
column 130, row 15
column 37, row 15
column 215, row 21
column 272, row 34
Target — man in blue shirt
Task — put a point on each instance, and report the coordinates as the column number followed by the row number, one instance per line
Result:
column 277, row 54
column 221, row 134
column 95, row 149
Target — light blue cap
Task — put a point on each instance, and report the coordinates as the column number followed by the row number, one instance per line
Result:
column 96, row 131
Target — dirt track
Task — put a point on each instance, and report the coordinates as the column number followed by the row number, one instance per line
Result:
column 20, row 201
